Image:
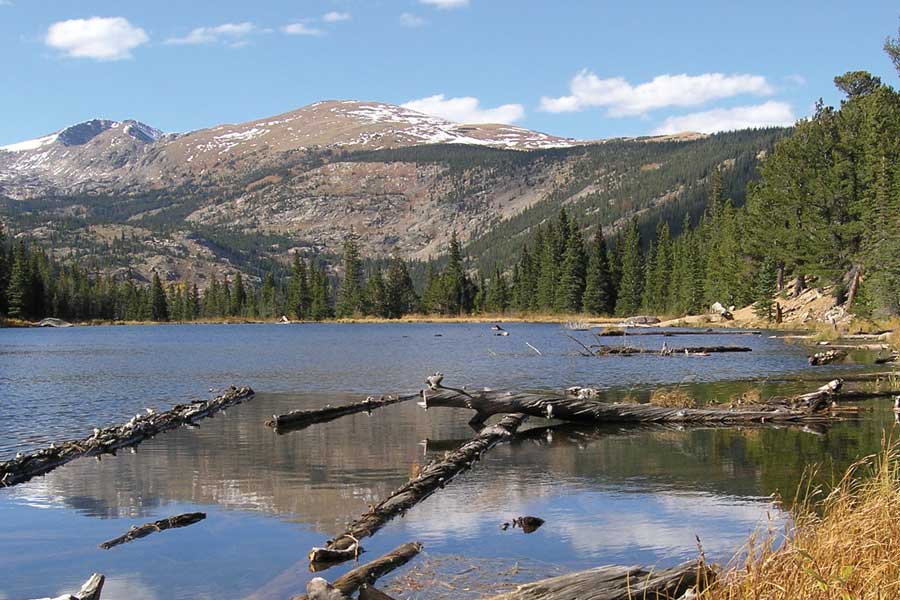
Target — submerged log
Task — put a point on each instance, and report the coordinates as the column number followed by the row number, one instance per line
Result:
column 147, row 528
column 110, row 439
column 365, row 575
column 298, row 419
column 627, row 350
column 432, row 477
column 616, row 583
column 89, row 591
column 827, row 357
column 806, row 408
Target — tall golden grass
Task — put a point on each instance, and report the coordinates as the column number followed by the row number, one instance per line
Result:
column 843, row 544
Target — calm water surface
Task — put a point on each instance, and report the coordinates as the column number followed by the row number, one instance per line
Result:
column 609, row 495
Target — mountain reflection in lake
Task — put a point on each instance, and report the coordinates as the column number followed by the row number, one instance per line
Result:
column 609, row 495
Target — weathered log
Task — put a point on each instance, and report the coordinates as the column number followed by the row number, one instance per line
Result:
column 365, row 575
column 298, row 419
column 146, row 529
column 616, row 583
column 627, row 350
column 664, row 333
column 827, row 357
column 883, row 360
column 89, row 591
column 806, row 408
column 432, row 477
column 110, row 439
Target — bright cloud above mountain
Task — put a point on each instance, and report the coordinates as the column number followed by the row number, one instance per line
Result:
column 466, row 110
column 620, row 98
column 769, row 114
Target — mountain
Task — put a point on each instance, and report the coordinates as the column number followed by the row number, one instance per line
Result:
column 244, row 196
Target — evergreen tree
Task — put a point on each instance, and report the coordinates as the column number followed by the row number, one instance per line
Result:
column 159, row 310
column 238, row 296
column 599, row 295
column 631, row 283
column 19, row 292
column 350, row 295
column 400, row 294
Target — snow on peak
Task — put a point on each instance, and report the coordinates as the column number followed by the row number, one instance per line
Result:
column 31, row 144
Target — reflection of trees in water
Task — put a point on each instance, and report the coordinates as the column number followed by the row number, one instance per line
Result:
column 328, row 473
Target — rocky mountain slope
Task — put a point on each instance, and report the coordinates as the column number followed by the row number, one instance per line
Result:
column 245, row 196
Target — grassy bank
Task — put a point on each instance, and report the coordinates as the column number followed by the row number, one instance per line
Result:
column 844, row 543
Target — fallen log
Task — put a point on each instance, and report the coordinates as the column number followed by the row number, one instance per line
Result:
column 89, row 591
column 108, row 440
column 617, row 583
column 147, row 528
column 346, row 585
column 805, row 408
column 299, row 419
column 662, row 332
column 432, row 477
column 602, row 350
column 827, row 357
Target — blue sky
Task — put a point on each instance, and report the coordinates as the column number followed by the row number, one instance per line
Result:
column 584, row 69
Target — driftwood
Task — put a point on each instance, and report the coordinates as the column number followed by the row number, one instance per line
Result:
column 806, row 408
column 827, row 357
column 147, row 528
column 616, row 583
column 662, row 332
column 89, row 591
column 360, row 577
column 110, row 439
column 627, row 350
column 298, row 419
column 432, row 477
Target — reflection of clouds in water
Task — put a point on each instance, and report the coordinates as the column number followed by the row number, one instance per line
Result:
column 667, row 523
column 604, row 523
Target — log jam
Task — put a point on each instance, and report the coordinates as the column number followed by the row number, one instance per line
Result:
column 108, row 440
column 805, row 408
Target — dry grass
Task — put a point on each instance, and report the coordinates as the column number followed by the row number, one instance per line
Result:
column 672, row 399
column 751, row 396
column 844, row 544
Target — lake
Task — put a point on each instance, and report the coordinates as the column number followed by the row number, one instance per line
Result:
column 608, row 495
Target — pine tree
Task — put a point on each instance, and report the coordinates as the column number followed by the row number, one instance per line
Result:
column 238, row 296
column 657, row 291
column 159, row 310
column 400, row 293
column 570, row 290
column 376, row 302
column 350, row 295
column 631, row 283
column 599, row 295
column 19, row 291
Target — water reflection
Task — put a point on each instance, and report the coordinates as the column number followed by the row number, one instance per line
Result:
column 622, row 495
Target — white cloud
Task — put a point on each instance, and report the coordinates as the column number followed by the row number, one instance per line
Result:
column 300, row 28
column 446, row 3
column 335, row 17
column 769, row 114
column 100, row 38
column 410, row 20
column 234, row 34
column 620, row 98
column 466, row 110
column 797, row 80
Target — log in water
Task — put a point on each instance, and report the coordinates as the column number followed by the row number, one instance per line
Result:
column 365, row 575
column 298, row 419
column 433, row 476
column 805, row 408
column 110, row 439
column 602, row 350
column 89, row 591
column 616, row 583
column 147, row 528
